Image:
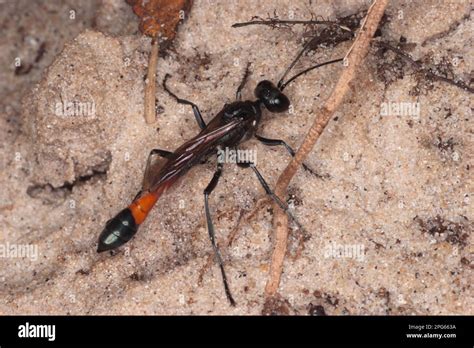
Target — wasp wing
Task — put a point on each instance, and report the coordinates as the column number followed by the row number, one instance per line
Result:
column 186, row 155
column 153, row 165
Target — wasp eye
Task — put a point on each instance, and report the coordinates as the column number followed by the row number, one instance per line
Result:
column 264, row 89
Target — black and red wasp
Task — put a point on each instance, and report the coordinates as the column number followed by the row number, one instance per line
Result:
column 234, row 124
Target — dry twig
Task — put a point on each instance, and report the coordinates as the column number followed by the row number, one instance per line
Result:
column 150, row 88
column 159, row 19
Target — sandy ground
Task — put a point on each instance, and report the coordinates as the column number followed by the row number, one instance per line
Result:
column 395, row 193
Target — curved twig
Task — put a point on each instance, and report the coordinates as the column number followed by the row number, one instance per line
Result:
column 355, row 57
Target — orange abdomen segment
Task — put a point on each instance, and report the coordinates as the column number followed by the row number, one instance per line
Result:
column 142, row 206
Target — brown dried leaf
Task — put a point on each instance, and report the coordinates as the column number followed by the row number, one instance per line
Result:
column 160, row 18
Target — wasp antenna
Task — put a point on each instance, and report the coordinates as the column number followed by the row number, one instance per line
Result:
column 298, row 56
column 282, row 86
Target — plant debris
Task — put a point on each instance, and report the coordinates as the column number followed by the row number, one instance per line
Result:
column 426, row 74
column 160, row 18
column 455, row 233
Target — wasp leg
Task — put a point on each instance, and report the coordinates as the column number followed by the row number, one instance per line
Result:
column 135, row 198
column 270, row 192
column 210, row 228
column 161, row 153
column 238, row 94
column 197, row 113
column 276, row 142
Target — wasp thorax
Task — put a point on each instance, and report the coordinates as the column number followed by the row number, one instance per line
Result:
column 239, row 109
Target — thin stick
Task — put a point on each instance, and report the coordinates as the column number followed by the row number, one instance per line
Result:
column 273, row 22
column 278, row 21
column 280, row 220
column 150, row 86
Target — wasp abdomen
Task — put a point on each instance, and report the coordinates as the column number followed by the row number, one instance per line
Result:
column 117, row 231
